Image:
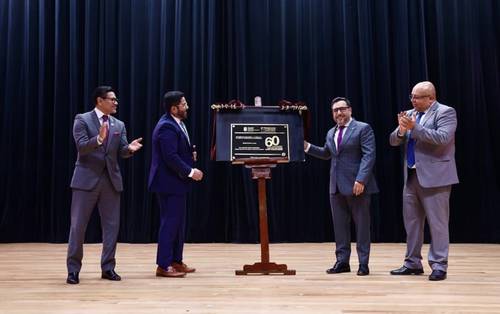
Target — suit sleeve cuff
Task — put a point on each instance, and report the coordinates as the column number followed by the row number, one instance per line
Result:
column 191, row 173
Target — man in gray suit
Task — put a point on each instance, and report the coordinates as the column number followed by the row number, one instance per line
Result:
column 427, row 134
column 351, row 147
column 97, row 180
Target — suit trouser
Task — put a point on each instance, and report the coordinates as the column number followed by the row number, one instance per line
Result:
column 171, row 232
column 343, row 207
column 83, row 203
column 419, row 203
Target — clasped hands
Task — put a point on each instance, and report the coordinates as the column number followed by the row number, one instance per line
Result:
column 406, row 122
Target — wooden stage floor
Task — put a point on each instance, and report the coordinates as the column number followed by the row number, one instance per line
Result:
column 32, row 280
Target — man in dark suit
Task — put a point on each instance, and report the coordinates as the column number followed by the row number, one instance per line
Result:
column 351, row 147
column 427, row 134
column 172, row 170
column 100, row 139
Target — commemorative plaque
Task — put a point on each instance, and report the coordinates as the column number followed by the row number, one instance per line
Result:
column 260, row 137
column 248, row 132
column 259, row 141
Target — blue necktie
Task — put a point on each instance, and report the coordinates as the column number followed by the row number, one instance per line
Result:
column 410, row 151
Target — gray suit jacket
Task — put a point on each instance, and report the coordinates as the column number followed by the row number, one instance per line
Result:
column 93, row 158
column 354, row 161
column 434, row 146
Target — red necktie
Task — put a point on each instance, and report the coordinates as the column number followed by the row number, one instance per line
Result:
column 339, row 136
column 105, row 121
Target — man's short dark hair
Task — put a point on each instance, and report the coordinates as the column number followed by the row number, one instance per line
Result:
column 337, row 99
column 171, row 98
column 101, row 91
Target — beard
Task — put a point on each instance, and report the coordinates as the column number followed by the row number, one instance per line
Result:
column 341, row 120
column 181, row 115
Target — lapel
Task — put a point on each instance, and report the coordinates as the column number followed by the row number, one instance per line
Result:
column 332, row 140
column 112, row 130
column 186, row 136
column 430, row 113
column 172, row 120
column 95, row 120
column 97, row 125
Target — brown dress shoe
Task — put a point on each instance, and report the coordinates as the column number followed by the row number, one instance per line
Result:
column 183, row 268
column 169, row 272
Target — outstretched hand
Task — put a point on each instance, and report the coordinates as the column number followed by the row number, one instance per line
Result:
column 135, row 145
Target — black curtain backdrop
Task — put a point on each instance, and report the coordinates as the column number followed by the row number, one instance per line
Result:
column 54, row 53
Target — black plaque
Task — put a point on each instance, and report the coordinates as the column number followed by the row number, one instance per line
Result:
column 251, row 140
column 265, row 115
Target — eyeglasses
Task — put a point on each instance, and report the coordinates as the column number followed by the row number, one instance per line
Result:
column 417, row 97
column 112, row 99
column 341, row 109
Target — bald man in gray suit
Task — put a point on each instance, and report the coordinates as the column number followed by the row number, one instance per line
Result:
column 427, row 135
column 351, row 147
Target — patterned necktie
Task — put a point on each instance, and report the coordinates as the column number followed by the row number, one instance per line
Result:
column 339, row 136
column 410, row 151
column 105, row 119
column 183, row 128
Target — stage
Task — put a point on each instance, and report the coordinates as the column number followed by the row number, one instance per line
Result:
column 33, row 275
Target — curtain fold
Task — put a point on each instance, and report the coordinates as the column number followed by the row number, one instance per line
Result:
column 53, row 53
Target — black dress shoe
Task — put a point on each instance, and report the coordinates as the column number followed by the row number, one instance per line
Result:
column 73, row 278
column 339, row 267
column 407, row 271
column 437, row 275
column 111, row 275
column 363, row 270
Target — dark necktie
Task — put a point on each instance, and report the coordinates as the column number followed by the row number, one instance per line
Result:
column 410, row 151
column 105, row 119
column 339, row 136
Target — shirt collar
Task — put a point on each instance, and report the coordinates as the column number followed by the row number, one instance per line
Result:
column 99, row 113
column 176, row 119
column 347, row 124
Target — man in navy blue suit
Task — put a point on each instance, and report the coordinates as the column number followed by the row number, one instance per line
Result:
column 172, row 170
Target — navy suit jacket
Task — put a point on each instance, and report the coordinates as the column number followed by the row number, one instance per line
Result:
column 172, row 158
column 93, row 158
column 354, row 161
